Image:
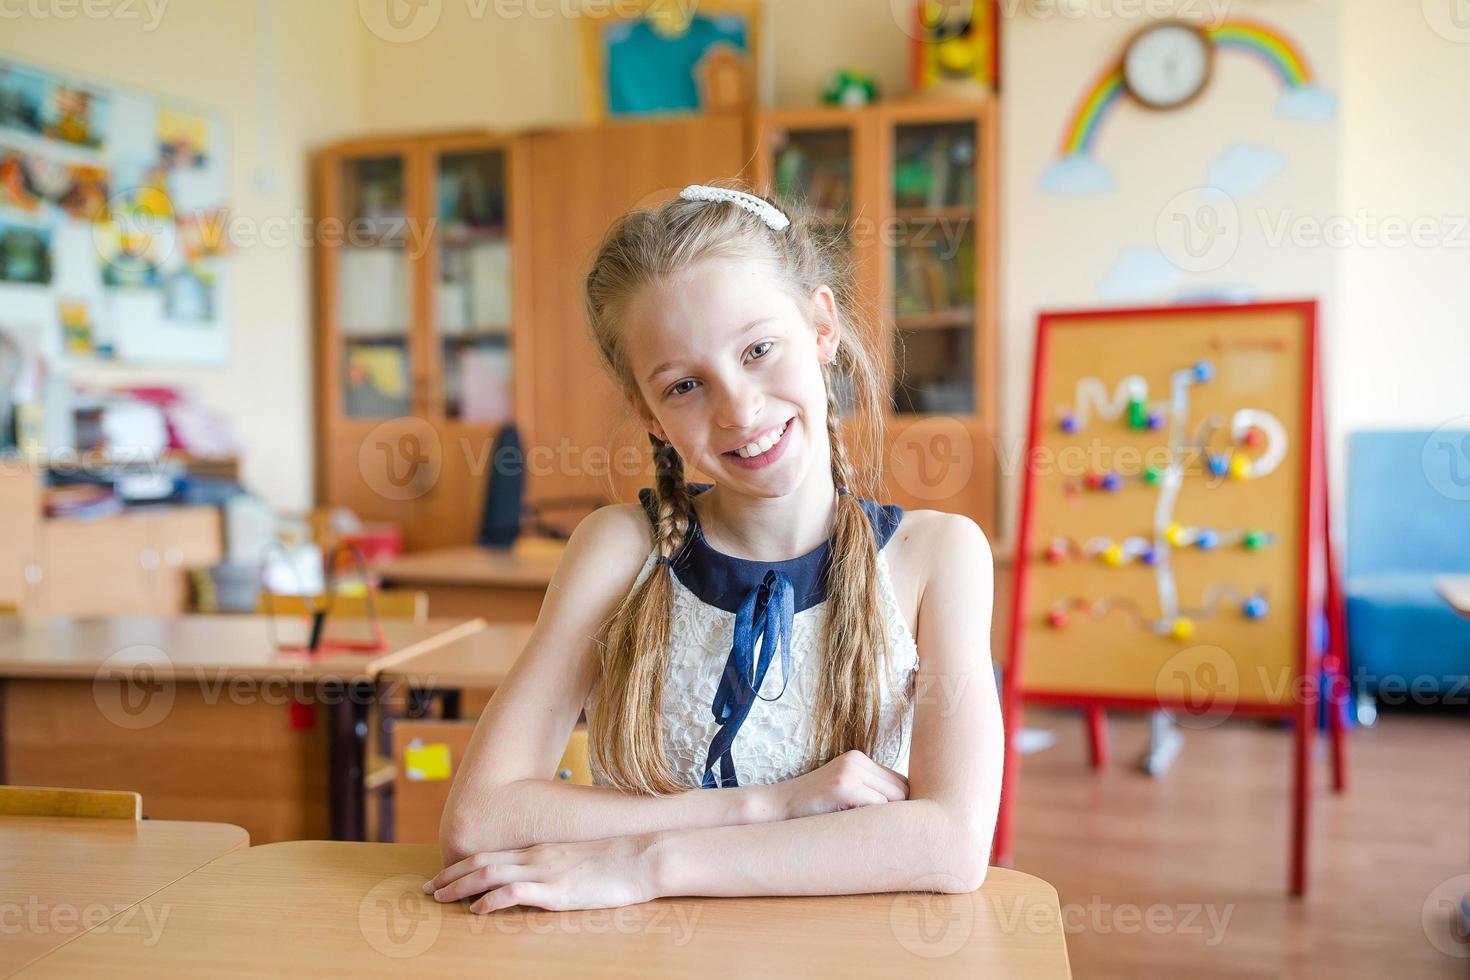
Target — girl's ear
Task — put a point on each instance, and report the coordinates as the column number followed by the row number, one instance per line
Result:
column 635, row 402
column 827, row 322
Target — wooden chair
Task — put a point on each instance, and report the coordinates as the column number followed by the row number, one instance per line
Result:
column 45, row 801
column 389, row 604
column 399, row 604
column 419, row 799
column 574, row 766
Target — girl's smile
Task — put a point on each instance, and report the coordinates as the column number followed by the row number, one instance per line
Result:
column 764, row 451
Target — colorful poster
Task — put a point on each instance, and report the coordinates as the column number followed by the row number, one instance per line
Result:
column 113, row 203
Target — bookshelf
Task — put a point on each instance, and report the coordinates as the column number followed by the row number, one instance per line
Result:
column 417, row 326
column 910, row 189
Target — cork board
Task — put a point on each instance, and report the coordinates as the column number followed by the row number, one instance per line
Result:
column 1165, row 542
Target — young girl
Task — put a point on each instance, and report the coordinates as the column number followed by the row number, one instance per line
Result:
column 788, row 687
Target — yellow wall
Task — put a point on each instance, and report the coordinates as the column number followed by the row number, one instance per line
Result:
column 516, row 63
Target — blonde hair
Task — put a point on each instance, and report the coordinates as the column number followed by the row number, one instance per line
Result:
column 644, row 247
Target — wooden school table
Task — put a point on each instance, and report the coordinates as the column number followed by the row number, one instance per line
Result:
column 499, row 585
column 60, row 876
column 319, row 908
column 203, row 715
column 477, row 661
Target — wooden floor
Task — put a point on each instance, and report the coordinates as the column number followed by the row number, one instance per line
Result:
column 1185, row 875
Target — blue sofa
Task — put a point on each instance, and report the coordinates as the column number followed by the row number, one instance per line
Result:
column 1408, row 512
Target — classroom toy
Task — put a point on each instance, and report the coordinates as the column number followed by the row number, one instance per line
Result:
column 1201, row 593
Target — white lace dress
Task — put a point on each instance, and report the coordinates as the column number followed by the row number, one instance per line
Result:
column 775, row 742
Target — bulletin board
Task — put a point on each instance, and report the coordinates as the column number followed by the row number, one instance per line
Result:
column 112, row 221
column 1168, row 501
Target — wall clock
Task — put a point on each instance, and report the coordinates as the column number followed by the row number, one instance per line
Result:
column 1167, row 64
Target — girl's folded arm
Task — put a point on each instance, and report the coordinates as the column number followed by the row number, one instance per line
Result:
column 939, row 839
column 503, row 797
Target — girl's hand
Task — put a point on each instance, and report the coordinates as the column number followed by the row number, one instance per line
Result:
column 850, row 780
column 596, row 874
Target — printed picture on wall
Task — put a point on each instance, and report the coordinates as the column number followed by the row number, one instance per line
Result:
column 18, row 189
column 183, row 139
column 671, row 57
column 132, row 253
column 25, row 253
column 202, row 235
column 23, row 97
column 189, row 295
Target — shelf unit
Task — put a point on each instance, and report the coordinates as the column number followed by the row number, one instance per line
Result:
column 421, row 327
column 911, row 189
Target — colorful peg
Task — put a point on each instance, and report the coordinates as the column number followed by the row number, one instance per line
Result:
column 1240, row 468
column 1255, row 539
column 1254, row 436
column 1256, row 607
column 1207, row 539
column 1137, row 414
column 1204, row 371
column 1112, row 482
column 1070, row 424
column 1149, row 556
column 1182, row 629
column 1176, row 535
column 1057, row 618
column 1056, row 552
column 1093, row 480
column 1219, row 464
column 1153, row 475
column 1113, row 555
column 1155, row 421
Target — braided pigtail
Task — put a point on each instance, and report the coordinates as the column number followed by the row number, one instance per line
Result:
column 856, row 641
column 626, row 739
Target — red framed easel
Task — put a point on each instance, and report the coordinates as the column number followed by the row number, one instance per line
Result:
column 1265, row 335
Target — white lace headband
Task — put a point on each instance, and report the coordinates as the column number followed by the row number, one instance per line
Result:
column 764, row 210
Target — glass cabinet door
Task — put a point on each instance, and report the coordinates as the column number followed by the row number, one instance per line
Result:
column 813, row 168
column 472, row 287
column 936, row 228
column 373, row 288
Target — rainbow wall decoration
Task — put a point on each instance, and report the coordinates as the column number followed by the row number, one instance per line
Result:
column 1077, row 172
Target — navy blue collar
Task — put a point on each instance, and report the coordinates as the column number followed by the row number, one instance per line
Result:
column 724, row 581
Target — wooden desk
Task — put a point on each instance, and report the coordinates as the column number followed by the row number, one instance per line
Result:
column 60, row 876
column 497, row 585
column 311, row 908
column 1455, row 589
column 201, row 714
column 477, row 661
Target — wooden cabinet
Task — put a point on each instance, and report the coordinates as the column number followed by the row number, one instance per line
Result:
column 133, row 564
column 20, row 523
column 449, row 312
column 909, row 189
column 421, row 319
column 582, row 438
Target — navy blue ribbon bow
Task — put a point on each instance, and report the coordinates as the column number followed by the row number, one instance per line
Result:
column 766, row 615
